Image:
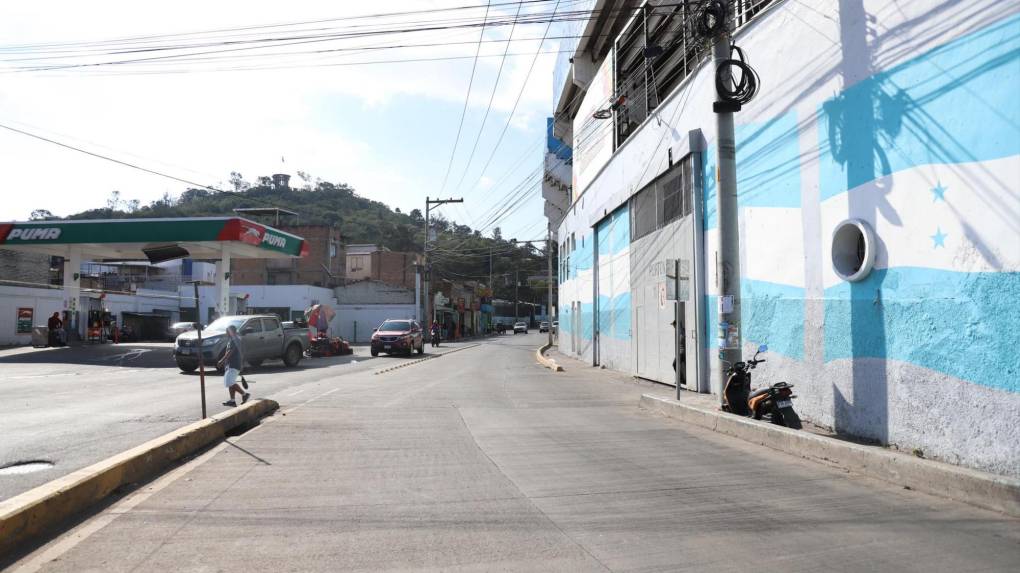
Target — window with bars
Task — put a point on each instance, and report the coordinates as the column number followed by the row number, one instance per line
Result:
column 668, row 198
column 657, row 51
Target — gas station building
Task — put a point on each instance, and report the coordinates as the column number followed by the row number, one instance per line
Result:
column 216, row 239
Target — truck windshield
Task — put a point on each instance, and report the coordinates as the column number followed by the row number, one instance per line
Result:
column 395, row 325
column 221, row 324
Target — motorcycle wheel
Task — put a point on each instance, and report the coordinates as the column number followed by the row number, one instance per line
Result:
column 790, row 419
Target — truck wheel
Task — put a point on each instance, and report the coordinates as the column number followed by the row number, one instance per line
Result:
column 292, row 356
column 375, row 352
column 187, row 366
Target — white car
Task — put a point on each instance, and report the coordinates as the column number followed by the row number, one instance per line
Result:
column 520, row 327
column 179, row 328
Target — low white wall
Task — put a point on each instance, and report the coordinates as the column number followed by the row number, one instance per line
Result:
column 356, row 321
column 44, row 303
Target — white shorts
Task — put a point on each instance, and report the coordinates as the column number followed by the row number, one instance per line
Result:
column 230, row 377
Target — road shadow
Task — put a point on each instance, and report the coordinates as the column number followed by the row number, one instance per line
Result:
column 125, row 355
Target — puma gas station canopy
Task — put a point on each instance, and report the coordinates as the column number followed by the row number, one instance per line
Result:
column 216, row 239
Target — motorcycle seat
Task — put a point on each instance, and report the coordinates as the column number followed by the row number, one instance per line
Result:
column 759, row 392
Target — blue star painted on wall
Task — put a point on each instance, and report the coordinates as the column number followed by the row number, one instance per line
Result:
column 938, row 192
column 939, row 238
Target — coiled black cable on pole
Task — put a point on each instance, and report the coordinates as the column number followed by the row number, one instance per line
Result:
column 739, row 88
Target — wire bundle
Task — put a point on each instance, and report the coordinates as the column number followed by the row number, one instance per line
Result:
column 736, row 88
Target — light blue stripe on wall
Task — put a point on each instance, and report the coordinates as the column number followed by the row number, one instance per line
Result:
column 614, row 316
column 768, row 167
column 961, row 324
column 950, row 105
column 954, row 104
column 772, row 314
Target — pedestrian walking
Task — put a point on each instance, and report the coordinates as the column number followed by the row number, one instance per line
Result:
column 231, row 362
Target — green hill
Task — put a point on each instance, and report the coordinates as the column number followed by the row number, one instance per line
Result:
column 458, row 253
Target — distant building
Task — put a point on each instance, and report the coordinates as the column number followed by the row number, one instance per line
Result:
column 322, row 267
column 369, row 261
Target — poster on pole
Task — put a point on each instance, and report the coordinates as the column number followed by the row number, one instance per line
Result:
column 24, row 321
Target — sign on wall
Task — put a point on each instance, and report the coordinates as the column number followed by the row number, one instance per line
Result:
column 24, row 322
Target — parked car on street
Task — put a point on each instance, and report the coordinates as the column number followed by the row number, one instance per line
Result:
column 521, row 327
column 262, row 338
column 543, row 326
column 179, row 328
column 398, row 336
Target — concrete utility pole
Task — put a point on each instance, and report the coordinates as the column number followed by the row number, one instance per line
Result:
column 428, row 267
column 728, row 260
column 549, row 282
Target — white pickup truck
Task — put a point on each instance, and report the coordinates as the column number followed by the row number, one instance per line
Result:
column 262, row 338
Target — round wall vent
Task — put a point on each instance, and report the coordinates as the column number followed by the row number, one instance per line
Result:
column 853, row 250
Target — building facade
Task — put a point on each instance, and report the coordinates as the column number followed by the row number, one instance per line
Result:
column 372, row 262
column 879, row 200
column 323, row 267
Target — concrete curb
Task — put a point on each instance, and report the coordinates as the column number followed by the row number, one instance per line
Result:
column 545, row 360
column 37, row 511
column 990, row 491
column 422, row 359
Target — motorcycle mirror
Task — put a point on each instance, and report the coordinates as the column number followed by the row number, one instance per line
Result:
column 763, row 348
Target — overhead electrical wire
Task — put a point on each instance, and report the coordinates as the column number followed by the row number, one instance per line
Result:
column 520, row 93
column 194, row 184
column 291, row 40
column 488, row 107
column 463, row 113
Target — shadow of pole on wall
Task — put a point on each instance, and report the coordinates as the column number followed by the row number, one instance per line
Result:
column 855, row 145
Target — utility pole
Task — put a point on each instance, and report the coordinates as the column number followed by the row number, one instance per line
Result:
column 428, row 267
column 517, row 284
column 549, row 282
column 728, row 260
column 198, row 347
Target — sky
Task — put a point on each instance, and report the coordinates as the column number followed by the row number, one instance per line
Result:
column 388, row 130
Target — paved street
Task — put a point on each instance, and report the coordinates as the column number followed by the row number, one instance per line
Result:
column 76, row 406
column 481, row 460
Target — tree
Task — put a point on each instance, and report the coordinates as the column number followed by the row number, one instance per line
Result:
column 114, row 201
column 237, row 181
column 41, row 215
column 497, row 234
column 416, row 217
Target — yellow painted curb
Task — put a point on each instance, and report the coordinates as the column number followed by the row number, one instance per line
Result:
column 39, row 510
column 544, row 360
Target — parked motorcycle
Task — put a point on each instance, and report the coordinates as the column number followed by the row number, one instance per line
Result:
column 775, row 400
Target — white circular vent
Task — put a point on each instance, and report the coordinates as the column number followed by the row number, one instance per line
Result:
column 853, row 250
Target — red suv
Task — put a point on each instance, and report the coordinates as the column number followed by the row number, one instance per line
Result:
column 398, row 336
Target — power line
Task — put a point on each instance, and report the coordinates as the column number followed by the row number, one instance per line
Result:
column 524, row 85
column 194, row 184
column 463, row 113
column 488, row 107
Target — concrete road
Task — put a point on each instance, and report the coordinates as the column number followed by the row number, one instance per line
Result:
column 76, row 406
column 483, row 461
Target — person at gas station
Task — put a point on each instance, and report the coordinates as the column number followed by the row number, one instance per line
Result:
column 54, row 324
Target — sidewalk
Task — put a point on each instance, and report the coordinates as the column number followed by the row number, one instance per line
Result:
column 823, row 445
column 483, row 460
